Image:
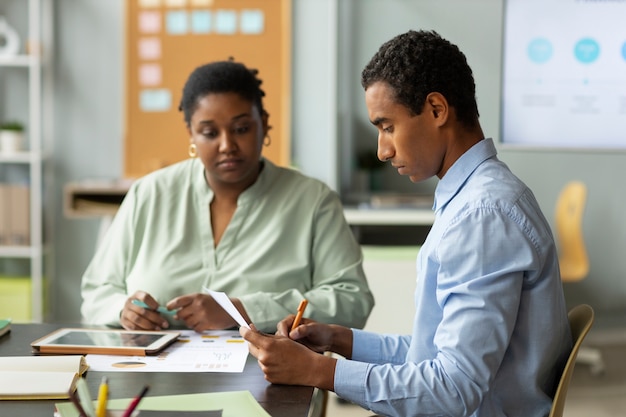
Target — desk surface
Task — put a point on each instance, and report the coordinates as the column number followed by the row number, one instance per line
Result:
column 277, row 400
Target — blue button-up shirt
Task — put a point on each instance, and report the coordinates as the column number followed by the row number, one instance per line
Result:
column 490, row 332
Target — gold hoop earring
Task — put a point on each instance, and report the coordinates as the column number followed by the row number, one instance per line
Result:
column 267, row 141
column 193, row 150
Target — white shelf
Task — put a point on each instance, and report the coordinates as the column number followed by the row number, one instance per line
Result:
column 20, row 61
column 23, row 157
column 19, row 251
column 35, row 66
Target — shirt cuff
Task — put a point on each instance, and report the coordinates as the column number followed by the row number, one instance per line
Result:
column 108, row 315
column 350, row 380
column 366, row 346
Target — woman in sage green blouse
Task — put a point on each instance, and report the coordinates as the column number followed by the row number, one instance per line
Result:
column 226, row 219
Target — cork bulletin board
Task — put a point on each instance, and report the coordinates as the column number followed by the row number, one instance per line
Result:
column 167, row 39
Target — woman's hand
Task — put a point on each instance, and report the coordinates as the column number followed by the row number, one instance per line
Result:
column 201, row 312
column 134, row 317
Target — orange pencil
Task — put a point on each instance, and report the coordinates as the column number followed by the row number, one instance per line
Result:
column 301, row 308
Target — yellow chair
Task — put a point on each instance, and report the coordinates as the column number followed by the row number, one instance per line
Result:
column 580, row 321
column 570, row 206
column 573, row 258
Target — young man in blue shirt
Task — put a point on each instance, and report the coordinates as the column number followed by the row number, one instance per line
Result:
column 490, row 332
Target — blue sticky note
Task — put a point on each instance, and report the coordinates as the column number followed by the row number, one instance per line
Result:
column 252, row 22
column 226, row 22
column 155, row 100
column 176, row 22
column 201, row 21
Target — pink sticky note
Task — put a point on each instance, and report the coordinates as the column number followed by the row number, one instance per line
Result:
column 150, row 74
column 149, row 22
column 149, row 48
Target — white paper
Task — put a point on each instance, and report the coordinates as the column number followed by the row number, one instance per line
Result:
column 209, row 351
column 222, row 299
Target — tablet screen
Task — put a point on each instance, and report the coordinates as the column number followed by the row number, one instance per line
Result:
column 106, row 338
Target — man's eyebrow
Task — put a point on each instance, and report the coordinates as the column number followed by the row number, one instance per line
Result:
column 379, row 120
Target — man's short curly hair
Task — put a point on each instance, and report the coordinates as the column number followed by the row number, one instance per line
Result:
column 418, row 63
column 221, row 77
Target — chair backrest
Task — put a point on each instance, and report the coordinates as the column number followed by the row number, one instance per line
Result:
column 573, row 259
column 580, row 322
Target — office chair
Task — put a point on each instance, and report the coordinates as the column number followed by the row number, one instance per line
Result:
column 580, row 322
column 573, row 259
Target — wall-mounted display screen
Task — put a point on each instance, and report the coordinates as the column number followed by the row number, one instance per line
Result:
column 564, row 74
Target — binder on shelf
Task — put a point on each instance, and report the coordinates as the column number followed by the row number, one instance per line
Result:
column 19, row 215
column 4, row 214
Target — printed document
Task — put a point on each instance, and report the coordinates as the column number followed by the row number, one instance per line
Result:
column 209, row 351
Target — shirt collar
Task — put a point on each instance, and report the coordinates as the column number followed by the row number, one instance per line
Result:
column 265, row 179
column 461, row 170
column 262, row 183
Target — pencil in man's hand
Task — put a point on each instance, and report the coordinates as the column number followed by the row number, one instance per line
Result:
column 301, row 308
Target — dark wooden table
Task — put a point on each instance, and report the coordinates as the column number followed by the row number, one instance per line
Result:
column 277, row 400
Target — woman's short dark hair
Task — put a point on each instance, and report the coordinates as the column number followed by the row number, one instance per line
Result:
column 221, row 77
column 418, row 63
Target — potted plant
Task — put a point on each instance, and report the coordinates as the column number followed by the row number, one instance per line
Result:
column 11, row 136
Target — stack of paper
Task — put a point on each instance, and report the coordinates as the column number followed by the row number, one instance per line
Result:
column 39, row 377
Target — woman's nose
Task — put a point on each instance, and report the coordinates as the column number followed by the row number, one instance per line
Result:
column 226, row 143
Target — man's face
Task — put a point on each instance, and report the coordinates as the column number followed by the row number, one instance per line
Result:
column 411, row 143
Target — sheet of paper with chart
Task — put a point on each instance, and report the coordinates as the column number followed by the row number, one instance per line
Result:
column 210, row 351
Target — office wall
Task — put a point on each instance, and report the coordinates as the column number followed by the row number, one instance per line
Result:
column 327, row 126
column 88, row 129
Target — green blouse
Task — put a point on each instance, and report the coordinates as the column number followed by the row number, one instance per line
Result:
column 287, row 240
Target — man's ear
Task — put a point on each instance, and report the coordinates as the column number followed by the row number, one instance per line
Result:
column 438, row 106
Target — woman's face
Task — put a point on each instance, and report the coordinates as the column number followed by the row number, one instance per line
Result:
column 228, row 132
